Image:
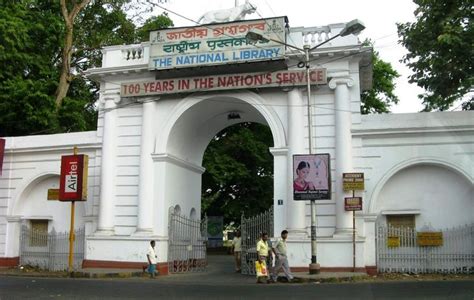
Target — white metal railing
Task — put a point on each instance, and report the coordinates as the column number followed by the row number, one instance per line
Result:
column 186, row 244
column 50, row 251
column 456, row 255
column 252, row 229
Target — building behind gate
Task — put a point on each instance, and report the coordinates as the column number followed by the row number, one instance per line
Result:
column 161, row 104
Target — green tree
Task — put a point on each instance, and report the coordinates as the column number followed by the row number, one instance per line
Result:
column 239, row 172
column 154, row 23
column 28, row 75
column 32, row 58
column 440, row 44
column 381, row 96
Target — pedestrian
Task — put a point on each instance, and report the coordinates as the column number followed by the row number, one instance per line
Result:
column 151, row 256
column 237, row 250
column 263, row 258
column 281, row 258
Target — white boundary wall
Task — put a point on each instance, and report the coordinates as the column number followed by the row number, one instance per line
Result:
column 392, row 151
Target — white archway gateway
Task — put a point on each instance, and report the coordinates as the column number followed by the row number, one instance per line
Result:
column 160, row 107
column 190, row 127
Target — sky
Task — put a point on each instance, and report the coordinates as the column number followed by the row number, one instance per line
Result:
column 379, row 16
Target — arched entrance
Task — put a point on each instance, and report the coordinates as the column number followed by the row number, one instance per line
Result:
column 193, row 124
column 41, row 227
column 425, row 198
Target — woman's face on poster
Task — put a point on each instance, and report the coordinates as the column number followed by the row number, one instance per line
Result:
column 303, row 173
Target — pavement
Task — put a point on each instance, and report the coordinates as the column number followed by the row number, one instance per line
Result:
column 220, row 270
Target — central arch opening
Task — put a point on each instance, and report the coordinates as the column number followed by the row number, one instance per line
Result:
column 222, row 145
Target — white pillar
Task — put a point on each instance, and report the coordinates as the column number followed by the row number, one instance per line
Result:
column 13, row 231
column 296, row 214
column 108, row 162
column 145, row 185
column 343, row 149
column 280, row 191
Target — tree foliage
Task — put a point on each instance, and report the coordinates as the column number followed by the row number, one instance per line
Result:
column 32, row 43
column 381, row 96
column 440, row 44
column 239, row 172
column 28, row 74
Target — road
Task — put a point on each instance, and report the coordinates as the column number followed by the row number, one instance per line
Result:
column 220, row 282
column 54, row 288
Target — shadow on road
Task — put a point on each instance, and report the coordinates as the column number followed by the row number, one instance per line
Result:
column 220, row 270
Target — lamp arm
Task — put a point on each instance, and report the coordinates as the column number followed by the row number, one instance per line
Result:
column 284, row 44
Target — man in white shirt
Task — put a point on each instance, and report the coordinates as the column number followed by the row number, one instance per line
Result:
column 151, row 256
column 237, row 249
column 281, row 258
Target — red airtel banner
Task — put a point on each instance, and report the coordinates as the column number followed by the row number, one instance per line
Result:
column 73, row 180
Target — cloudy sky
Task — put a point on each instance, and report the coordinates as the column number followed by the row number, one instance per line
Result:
column 379, row 16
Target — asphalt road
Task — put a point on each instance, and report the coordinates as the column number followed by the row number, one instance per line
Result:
column 143, row 288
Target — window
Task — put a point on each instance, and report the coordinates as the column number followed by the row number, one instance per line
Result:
column 402, row 228
column 38, row 233
column 399, row 221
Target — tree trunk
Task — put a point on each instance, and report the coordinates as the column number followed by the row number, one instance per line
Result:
column 65, row 76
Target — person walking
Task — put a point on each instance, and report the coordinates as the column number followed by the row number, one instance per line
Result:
column 151, row 256
column 237, row 250
column 263, row 257
column 281, row 258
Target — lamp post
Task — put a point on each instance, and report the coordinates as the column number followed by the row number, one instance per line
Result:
column 352, row 27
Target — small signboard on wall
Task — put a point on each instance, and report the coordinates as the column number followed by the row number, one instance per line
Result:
column 393, row 241
column 426, row 239
column 53, row 194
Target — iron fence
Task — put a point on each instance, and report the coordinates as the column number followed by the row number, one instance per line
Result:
column 187, row 244
column 251, row 230
column 50, row 250
column 398, row 251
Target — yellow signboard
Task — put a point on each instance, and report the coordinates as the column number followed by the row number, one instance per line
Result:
column 425, row 239
column 393, row 241
column 53, row 194
column 353, row 181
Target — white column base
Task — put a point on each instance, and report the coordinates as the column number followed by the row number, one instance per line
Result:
column 297, row 235
column 143, row 232
column 105, row 232
column 343, row 233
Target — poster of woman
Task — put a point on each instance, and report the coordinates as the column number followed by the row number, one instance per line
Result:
column 311, row 177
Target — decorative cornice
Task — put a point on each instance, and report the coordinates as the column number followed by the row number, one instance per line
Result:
column 12, row 219
column 178, row 161
column 113, row 95
column 340, row 80
column 278, row 151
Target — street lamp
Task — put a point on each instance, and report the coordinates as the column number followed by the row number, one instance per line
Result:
column 254, row 35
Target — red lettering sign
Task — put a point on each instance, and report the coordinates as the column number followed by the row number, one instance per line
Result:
column 223, row 82
column 353, row 203
column 73, row 180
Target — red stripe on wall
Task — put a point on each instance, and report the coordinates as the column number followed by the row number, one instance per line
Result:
column 2, row 153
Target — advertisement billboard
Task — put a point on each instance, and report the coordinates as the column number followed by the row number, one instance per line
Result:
column 73, row 178
column 311, row 177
